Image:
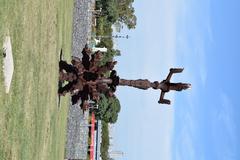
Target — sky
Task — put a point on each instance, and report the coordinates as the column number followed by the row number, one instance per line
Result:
column 202, row 123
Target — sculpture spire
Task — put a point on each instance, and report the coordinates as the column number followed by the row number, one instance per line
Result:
column 164, row 86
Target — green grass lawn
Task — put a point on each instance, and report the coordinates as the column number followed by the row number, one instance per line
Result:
column 32, row 126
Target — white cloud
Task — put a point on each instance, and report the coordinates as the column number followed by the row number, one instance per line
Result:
column 194, row 34
column 225, row 115
column 224, row 122
column 185, row 146
column 160, row 47
column 157, row 126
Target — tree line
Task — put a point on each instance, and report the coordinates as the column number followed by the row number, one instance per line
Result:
column 119, row 13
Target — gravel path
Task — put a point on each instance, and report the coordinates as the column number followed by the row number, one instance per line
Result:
column 77, row 134
column 77, row 125
column 82, row 20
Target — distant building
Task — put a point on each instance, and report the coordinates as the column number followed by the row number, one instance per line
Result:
column 95, row 49
column 115, row 154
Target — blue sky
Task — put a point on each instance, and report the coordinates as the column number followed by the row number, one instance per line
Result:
column 202, row 123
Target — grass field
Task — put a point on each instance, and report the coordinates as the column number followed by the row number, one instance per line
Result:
column 32, row 126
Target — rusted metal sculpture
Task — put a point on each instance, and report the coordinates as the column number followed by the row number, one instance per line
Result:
column 164, row 86
column 87, row 79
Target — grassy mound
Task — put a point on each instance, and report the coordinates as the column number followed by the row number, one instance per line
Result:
column 31, row 124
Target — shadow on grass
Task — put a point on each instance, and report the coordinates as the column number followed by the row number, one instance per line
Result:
column 60, row 84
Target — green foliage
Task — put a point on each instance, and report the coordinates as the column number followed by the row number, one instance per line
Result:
column 108, row 109
column 119, row 11
column 105, row 141
column 109, row 8
column 117, row 52
column 126, row 13
column 104, row 27
column 111, row 11
column 109, row 56
column 106, row 42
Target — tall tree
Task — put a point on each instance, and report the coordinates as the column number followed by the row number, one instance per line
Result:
column 108, row 109
column 126, row 13
column 119, row 11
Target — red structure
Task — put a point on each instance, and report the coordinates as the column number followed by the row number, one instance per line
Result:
column 92, row 136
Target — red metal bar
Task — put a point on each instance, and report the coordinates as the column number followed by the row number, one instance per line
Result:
column 92, row 137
